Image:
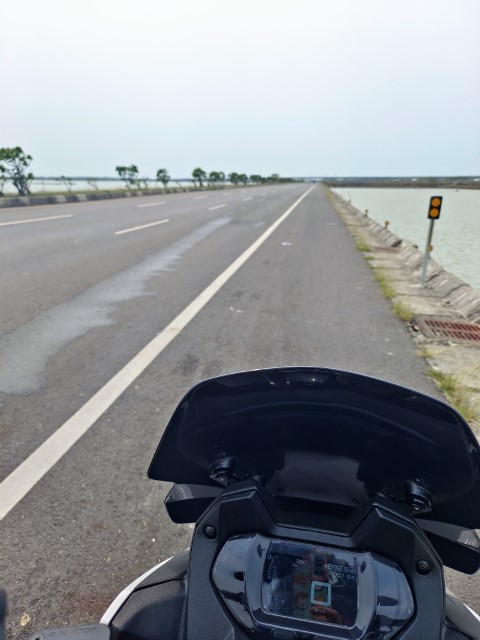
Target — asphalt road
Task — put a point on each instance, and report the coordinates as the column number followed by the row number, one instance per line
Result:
column 83, row 292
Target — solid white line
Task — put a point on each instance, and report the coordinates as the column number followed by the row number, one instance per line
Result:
column 150, row 204
column 6, row 224
column 143, row 226
column 30, row 471
column 218, row 206
column 245, row 199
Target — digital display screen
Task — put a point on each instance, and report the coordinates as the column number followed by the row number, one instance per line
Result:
column 310, row 583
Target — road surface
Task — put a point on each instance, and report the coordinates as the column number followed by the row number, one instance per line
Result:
column 84, row 289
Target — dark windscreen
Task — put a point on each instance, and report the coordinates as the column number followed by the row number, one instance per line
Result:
column 324, row 435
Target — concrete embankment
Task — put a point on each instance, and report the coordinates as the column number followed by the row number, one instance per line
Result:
column 443, row 315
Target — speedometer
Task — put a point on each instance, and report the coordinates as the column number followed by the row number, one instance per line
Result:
column 283, row 588
column 310, row 583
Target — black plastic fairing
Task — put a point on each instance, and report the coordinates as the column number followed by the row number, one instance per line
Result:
column 328, row 436
column 378, row 527
column 156, row 608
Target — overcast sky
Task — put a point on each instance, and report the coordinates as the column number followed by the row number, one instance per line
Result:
column 296, row 87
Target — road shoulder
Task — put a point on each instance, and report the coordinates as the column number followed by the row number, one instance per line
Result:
column 454, row 364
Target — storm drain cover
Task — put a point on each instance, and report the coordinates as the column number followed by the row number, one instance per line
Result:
column 443, row 328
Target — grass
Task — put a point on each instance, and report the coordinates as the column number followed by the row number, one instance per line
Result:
column 403, row 312
column 363, row 247
column 386, row 286
column 424, row 352
column 456, row 393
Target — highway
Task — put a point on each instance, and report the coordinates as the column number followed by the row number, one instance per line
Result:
column 109, row 312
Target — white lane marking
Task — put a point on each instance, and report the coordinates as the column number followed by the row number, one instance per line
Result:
column 199, row 197
column 143, row 226
column 150, row 204
column 15, row 486
column 6, row 224
column 218, row 206
column 245, row 199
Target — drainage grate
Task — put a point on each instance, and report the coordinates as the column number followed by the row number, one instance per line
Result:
column 443, row 328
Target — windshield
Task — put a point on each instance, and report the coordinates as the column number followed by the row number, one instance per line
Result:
column 323, row 435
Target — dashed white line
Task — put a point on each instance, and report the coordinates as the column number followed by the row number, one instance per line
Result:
column 199, row 197
column 246, row 199
column 150, row 204
column 20, row 481
column 143, row 226
column 6, row 224
column 218, row 206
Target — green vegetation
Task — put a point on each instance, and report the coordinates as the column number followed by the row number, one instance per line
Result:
column 457, row 394
column 129, row 174
column 363, row 246
column 216, row 177
column 403, row 312
column 386, row 286
column 164, row 177
column 236, row 178
column 13, row 167
column 14, row 162
column 199, row 175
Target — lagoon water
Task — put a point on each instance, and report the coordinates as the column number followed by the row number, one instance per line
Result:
column 456, row 237
column 37, row 187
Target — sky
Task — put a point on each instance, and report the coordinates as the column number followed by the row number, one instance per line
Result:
column 299, row 88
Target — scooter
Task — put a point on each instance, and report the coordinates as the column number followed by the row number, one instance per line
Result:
column 326, row 505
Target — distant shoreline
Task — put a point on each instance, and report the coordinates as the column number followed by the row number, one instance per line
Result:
column 405, row 183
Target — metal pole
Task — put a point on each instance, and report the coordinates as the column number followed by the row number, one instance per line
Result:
column 427, row 252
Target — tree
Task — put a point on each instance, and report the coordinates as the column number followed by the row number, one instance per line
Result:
column 243, row 178
column 213, row 177
column 234, row 178
column 200, row 175
column 216, row 176
column 164, row 177
column 13, row 166
column 129, row 175
column 255, row 178
column 68, row 182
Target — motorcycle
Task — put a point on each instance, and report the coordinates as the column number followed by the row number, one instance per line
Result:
column 326, row 505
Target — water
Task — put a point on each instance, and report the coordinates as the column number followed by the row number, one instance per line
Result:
column 456, row 237
column 37, row 187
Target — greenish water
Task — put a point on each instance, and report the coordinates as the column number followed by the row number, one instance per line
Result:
column 456, row 237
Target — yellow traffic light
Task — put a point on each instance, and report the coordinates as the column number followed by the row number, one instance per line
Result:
column 434, row 208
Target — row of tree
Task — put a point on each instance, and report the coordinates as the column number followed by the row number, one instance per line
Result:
column 130, row 175
column 14, row 164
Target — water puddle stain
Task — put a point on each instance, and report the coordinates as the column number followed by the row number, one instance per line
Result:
column 24, row 352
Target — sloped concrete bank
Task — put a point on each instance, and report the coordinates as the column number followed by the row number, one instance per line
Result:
column 454, row 365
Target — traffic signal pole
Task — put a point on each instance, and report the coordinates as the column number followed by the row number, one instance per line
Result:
column 433, row 214
column 427, row 252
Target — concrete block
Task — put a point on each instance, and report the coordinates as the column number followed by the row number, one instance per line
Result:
column 445, row 283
